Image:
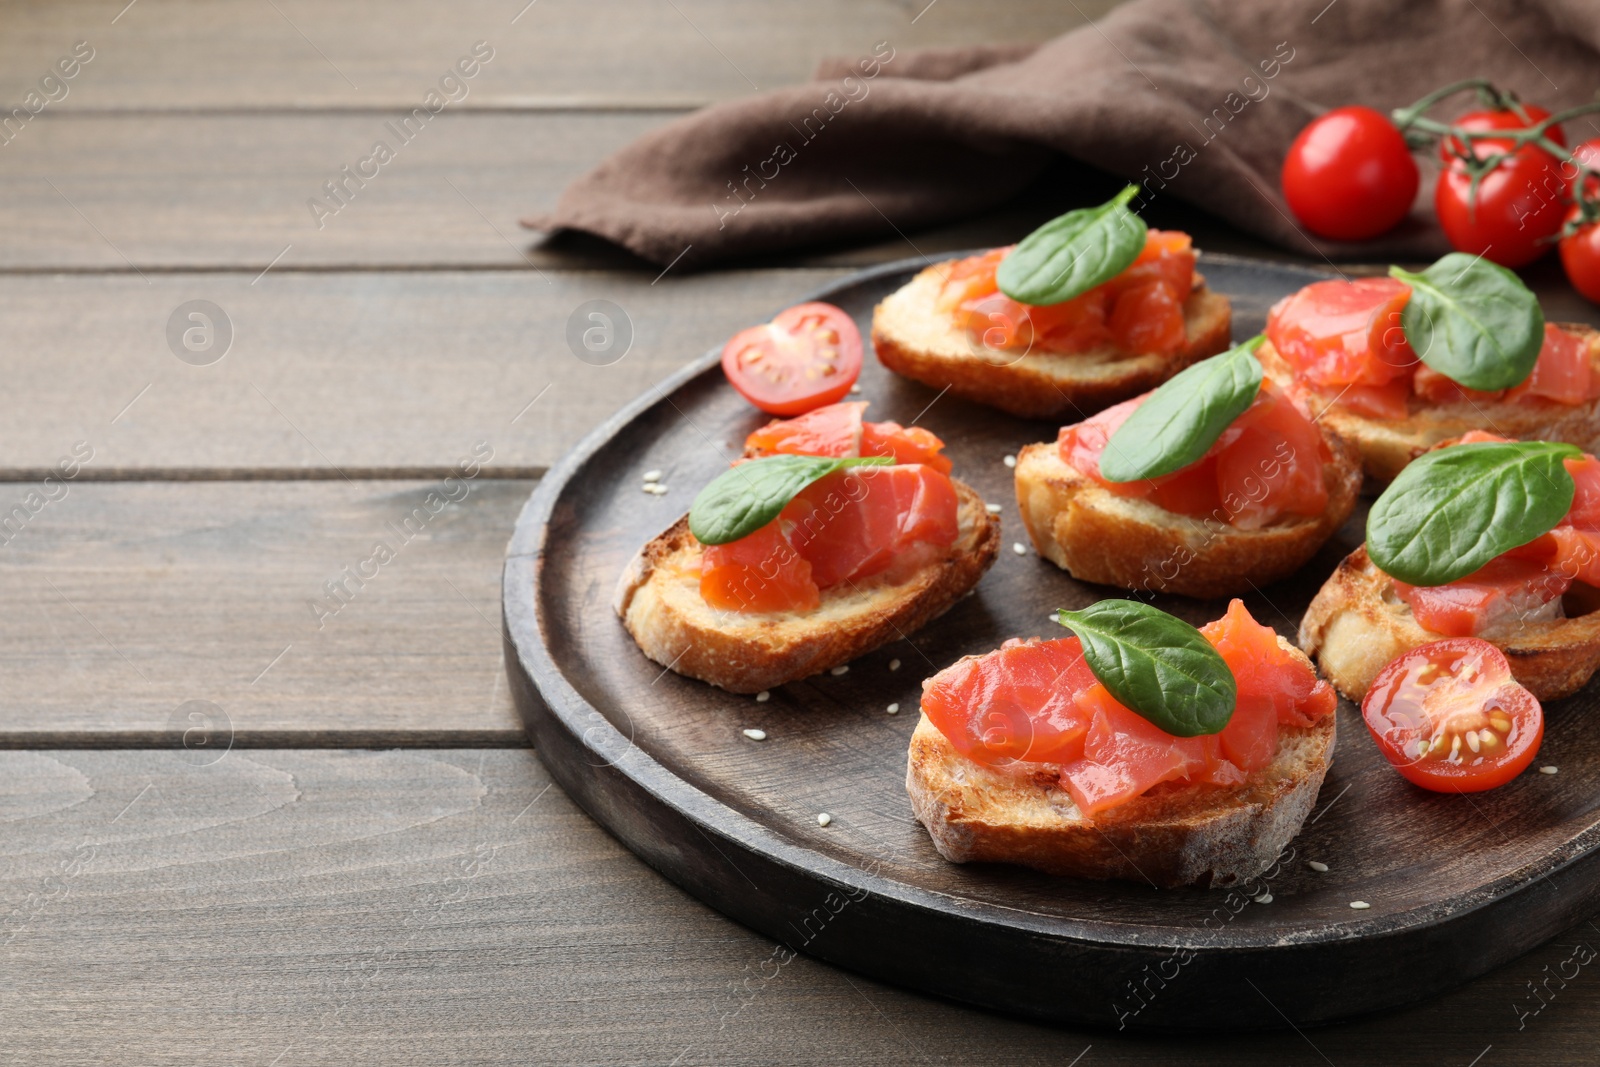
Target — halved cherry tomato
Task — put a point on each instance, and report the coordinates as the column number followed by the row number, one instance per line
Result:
column 810, row 355
column 1450, row 717
column 1349, row 175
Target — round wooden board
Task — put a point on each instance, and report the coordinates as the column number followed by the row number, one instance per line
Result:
column 1456, row 885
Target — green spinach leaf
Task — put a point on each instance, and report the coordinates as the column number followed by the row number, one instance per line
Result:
column 1183, row 419
column 1453, row 510
column 742, row 499
column 1157, row 665
column 1472, row 321
column 1073, row 253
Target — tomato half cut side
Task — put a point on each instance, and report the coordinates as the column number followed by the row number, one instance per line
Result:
column 810, row 355
column 1450, row 718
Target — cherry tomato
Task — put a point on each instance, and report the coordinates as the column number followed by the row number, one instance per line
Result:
column 810, row 355
column 1516, row 213
column 1450, row 717
column 1503, row 119
column 1349, row 175
column 1580, row 256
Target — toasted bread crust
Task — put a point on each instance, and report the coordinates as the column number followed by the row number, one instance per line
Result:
column 1356, row 626
column 658, row 598
column 1387, row 445
column 912, row 337
column 1097, row 536
column 1175, row 834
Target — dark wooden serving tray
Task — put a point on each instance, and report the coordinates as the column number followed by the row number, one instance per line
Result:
column 1456, row 885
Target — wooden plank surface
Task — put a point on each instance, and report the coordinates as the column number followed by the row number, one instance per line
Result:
column 297, row 54
column 393, row 374
column 309, row 907
column 125, row 601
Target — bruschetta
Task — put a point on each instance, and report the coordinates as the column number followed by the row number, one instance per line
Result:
column 955, row 326
column 1023, row 755
column 879, row 541
column 1248, row 503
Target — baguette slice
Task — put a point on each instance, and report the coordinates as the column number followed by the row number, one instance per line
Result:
column 658, row 598
column 1175, row 834
column 1387, row 445
column 912, row 337
column 1356, row 625
column 1097, row 536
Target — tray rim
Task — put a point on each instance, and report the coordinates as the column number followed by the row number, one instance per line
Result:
column 549, row 688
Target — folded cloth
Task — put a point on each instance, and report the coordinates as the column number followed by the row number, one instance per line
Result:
column 1194, row 99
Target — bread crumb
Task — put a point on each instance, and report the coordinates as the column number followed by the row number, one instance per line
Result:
column 993, row 509
column 764, row 696
column 652, row 476
column 1020, row 549
column 842, row 668
column 756, row 735
column 1360, row 905
column 1548, row 769
column 824, row 819
column 894, row 665
column 1318, row 866
column 894, row 709
column 1011, row 461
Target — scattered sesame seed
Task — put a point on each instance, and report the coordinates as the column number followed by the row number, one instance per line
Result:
column 894, row 709
column 1265, row 898
column 855, row 388
column 1360, row 905
column 1020, row 549
column 764, row 696
column 894, row 665
column 1011, row 461
column 654, row 488
column 993, row 509
column 824, row 819
column 652, row 476
column 756, row 735
column 1318, row 866
column 648, row 487
column 1548, row 769
column 841, row 669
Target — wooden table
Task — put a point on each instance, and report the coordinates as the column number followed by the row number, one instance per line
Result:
column 256, row 811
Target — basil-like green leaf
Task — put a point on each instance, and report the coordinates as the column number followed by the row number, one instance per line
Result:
column 1072, row 254
column 1472, row 321
column 1183, row 419
column 1156, row 665
column 742, row 499
column 1453, row 510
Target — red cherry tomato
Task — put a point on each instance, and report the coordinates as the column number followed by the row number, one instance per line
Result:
column 1580, row 256
column 1504, row 119
column 1349, row 175
column 1450, row 717
column 1515, row 214
column 810, row 355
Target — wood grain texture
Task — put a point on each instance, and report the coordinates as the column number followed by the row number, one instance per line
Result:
column 295, row 54
column 409, row 907
column 356, row 373
column 126, row 601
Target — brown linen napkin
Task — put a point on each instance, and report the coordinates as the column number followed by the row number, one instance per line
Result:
column 1194, row 99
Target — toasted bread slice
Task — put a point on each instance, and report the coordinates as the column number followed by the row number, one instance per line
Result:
column 914, row 338
column 1356, row 626
column 1174, row 834
column 1097, row 536
column 659, row 601
column 1387, row 445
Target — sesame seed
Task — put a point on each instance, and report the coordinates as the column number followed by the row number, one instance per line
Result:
column 652, row 476
column 824, row 819
column 855, row 388
column 894, row 665
column 1265, row 898
column 894, row 709
column 764, row 696
column 993, row 509
column 1359, row 905
column 1318, row 866
column 1011, row 461
column 1548, row 770
column 1020, row 549
column 756, row 735
column 841, row 669
column 648, row 487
